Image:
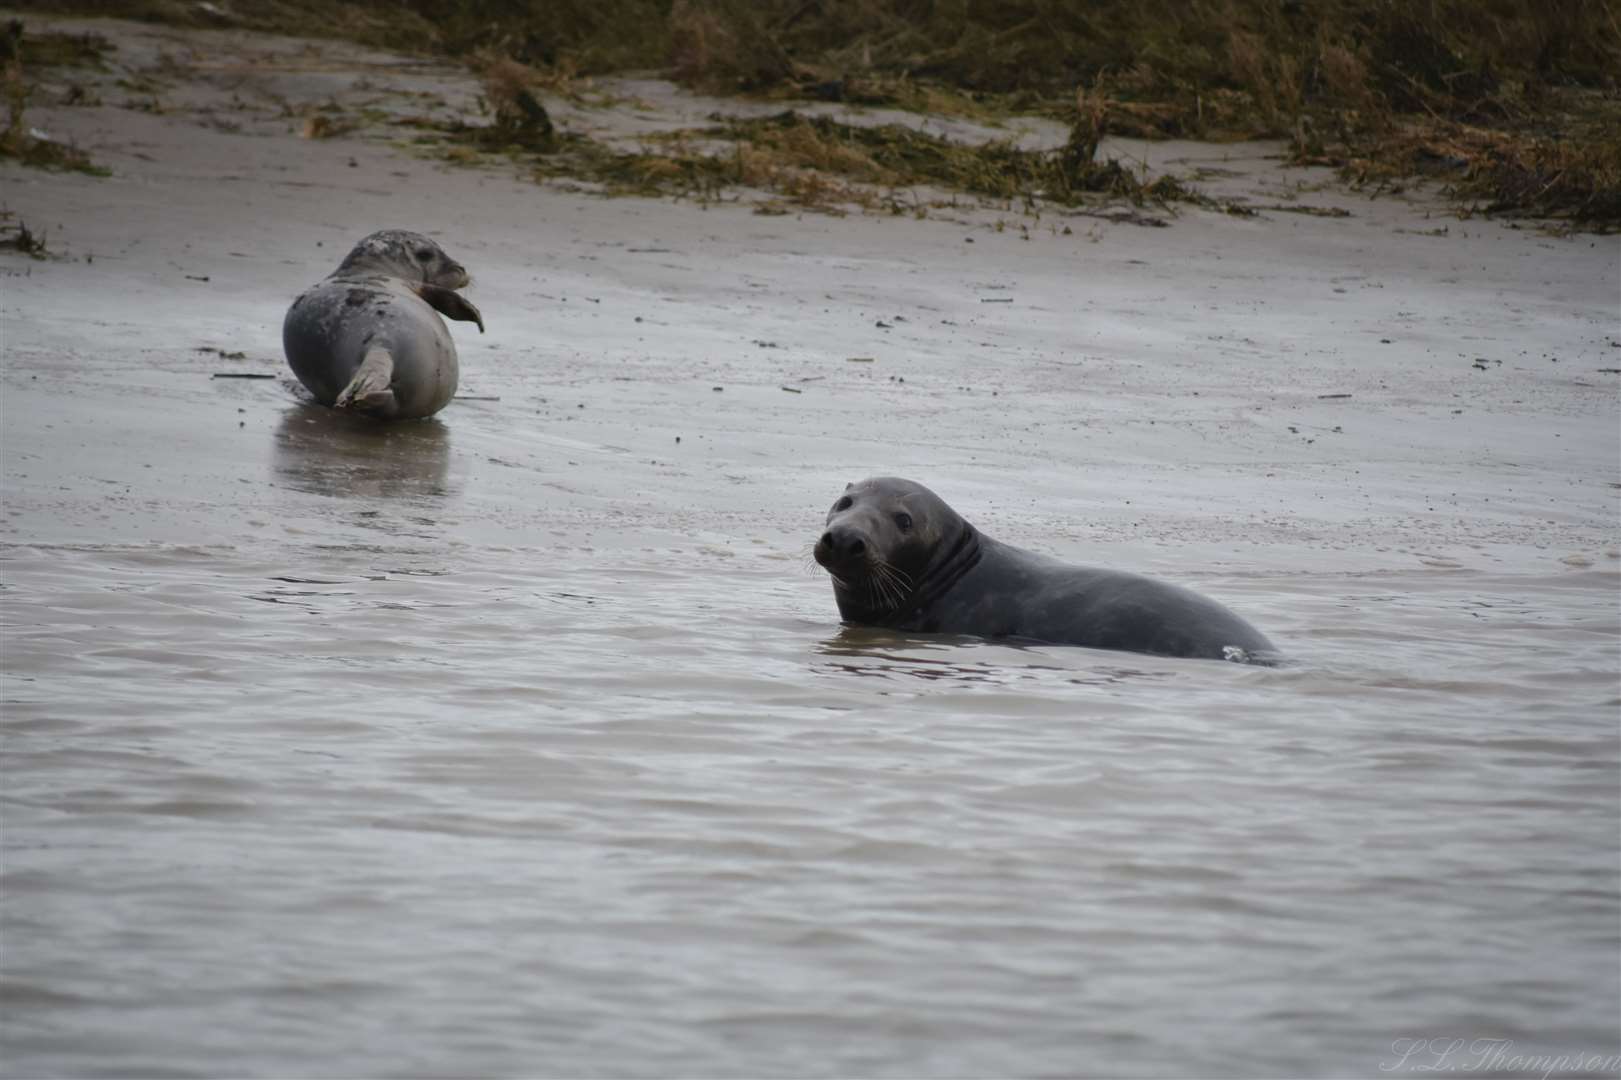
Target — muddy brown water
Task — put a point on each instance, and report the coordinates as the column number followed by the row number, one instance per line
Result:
column 525, row 740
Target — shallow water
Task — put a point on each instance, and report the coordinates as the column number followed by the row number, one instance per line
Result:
column 433, row 805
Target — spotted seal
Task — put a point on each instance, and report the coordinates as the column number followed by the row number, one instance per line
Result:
column 901, row 558
column 368, row 338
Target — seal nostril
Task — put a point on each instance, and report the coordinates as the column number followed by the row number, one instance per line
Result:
column 827, row 539
column 857, row 546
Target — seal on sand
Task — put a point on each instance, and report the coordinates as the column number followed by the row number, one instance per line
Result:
column 367, row 337
column 901, row 558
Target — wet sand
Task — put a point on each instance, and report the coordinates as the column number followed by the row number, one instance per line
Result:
column 526, row 739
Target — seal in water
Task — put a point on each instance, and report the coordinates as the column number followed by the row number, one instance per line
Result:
column 901, row 558
column 367, row 337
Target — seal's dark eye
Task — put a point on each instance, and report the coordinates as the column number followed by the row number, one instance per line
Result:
column 424, row 254
column 843, row 504
column 904, row 520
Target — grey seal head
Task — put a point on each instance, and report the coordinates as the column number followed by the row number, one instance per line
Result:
column 901, row 558
column 368, row 337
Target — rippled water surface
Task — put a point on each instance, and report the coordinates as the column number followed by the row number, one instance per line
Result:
column 427, row 805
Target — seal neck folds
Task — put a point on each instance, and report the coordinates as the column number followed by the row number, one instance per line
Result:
column 863, row 600
column 945, row 570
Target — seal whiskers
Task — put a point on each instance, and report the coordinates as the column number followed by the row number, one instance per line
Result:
column 891, row 585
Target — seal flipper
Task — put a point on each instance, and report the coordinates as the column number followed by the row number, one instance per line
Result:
column 451, row 304
column 369, row 390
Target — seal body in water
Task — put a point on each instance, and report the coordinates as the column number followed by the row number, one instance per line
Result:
column 901, row 558
column 370, row 338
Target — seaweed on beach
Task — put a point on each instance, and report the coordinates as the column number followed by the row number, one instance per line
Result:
column 519, row 117
column 53, row 48
column 1515, row 106
column 807, row 161
column 20, row 141
column 816, row 162
column 895, row 155
column 1490, row 172
column 15, row 235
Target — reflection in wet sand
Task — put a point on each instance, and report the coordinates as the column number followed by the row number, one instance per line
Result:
column 328, row 452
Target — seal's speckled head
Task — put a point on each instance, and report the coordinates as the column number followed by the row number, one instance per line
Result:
column 406, row 255
column 882, row 538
